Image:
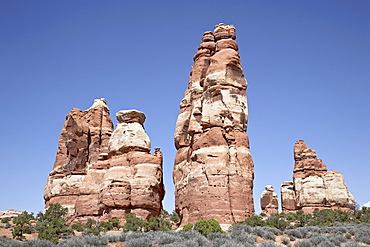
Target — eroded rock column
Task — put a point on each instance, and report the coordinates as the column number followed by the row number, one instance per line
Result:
column 269, row 201
column 313, row 187
column 213, row 171
column 100, row 173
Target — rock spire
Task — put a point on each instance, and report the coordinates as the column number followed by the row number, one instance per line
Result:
column 269, row 201
column 213, row 171
column 100, row 173
column 313, row 187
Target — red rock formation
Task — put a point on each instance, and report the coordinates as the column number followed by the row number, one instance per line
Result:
column 313, row 187
column 269, row 201
column 213, row 171
column 102, row 174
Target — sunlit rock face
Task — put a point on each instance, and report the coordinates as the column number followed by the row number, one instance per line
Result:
column 213, row 171
column 100, row 173
column 313, row 187
column 269, row 201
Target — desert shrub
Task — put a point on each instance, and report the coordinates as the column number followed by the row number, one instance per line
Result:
column 51, row 225
column 133, row 223
column 116, row 237
column 245, row 238
column 263, row 233
column 78, row 227
column 158, row 224
column 363, row 215
column 138, row 242
column 232, row 244
column 237, row 229
column 7, row 242
column 303, row 243
column 115, row 223
column 301, row 218
column 85, row 241
column 5, row 220
column 166, row 238
column 188, row 227
column 196, row 236
column 327, row 216
column 174, row 217
column 293, row 232
column 348, row 235
column 337, row 239
column 205, row 227
column 253, row 221
column 363, row 237
column 312, row 235
column 312, row 228
column 8, row 225
column 268, row 244
column 352, row 244
column 285, row 241
column 38, row 243
column 317, row 240
column 276, row 221
column 22, row 225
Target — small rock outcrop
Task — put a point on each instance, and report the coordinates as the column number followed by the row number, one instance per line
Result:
column 101, row 173
column 269, row 201
column 213, row 170
column 313, row 187
column 11, row 213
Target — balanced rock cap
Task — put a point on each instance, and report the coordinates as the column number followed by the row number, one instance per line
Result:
column 99, row 102
column 130, row 116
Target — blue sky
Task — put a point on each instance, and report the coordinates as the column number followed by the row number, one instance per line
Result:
column 307, row 64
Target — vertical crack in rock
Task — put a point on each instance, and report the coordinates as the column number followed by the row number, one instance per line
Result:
column 313, row 187
column 214, row 107
column 102, row 173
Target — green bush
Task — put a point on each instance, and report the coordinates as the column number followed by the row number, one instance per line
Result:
column 5, row 220
column 174, row 217
column 78, row 227
column 187, row 227
column 51, row 225
column 205, row 227
column 326, row 217
column 22, row 225
column 133, row 223
column 115, row 223
column 158, row 224
column 253, row 221
column 276, row 221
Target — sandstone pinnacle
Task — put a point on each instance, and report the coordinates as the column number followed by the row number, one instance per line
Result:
column 213, row 170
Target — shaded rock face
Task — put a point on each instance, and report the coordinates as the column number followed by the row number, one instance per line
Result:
column 213, row 171
column 269, row 201
column 100, row 173
column 313, row 187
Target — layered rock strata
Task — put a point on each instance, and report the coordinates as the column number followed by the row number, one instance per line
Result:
column 213, row 171
column 269, row 201
column 313, row 187
column 101, row 173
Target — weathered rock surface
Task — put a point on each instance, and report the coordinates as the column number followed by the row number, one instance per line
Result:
column 213, row 171
column 101, row 173
column 11, row 213
column 313, row 187
column 269, row 201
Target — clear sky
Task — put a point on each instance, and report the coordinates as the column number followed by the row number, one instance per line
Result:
column 307, row 64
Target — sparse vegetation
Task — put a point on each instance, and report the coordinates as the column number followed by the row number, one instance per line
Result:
column 208, row 233
column 22, row 225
